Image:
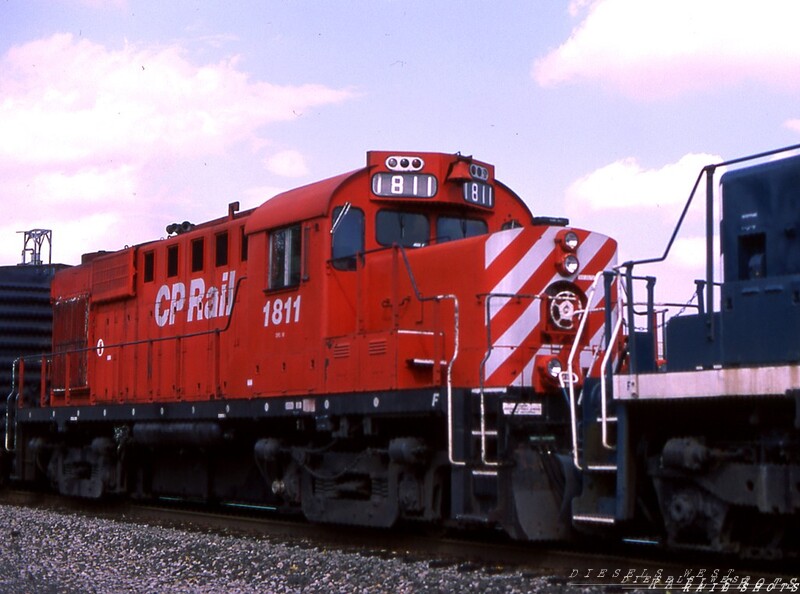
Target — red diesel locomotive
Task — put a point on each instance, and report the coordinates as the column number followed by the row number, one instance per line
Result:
column 400, row 342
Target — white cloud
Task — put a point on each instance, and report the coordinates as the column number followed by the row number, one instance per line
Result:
column 665, row 48
column 793, row 125
column 626, row 185
column 640, row 208
column 288, row 163
column 690, row 252
column 117, row 134
column 256, row 196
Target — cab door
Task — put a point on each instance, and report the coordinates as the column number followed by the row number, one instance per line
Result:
column 290, row 312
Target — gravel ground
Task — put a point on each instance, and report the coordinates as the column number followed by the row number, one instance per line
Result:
column 60, row 553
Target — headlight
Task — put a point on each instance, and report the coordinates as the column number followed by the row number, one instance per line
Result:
column 568, row 265
column 567, row 240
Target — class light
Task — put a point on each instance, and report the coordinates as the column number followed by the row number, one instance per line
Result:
column 478, row 172
column 404, row 163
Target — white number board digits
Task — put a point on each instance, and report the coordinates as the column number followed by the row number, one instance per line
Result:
column 404, row 185
column 479, row 194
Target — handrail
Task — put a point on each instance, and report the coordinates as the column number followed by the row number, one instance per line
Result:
column 451, row 362
column 488, row 321
column 485, row 360
column 573, row 414
column 12, row 397
column 603, row 389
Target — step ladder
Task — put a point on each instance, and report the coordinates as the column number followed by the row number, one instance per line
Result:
column 593, row 435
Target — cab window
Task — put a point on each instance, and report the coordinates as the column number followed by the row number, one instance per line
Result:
column 347, row 236
column 284, row 257
column 408, row 229
column 452, row 228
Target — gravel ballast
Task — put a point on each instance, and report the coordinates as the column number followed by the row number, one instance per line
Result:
column 44, row 551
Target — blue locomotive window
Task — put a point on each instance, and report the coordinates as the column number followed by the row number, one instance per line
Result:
column 452, row 228
column 347, row 236
column 752, row 256
column 284, row 258
column 408, row 229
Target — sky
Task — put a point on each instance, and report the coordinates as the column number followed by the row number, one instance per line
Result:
column 118, row 117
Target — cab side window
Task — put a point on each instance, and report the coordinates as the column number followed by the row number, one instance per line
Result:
column 347, row 236
column 284, row 257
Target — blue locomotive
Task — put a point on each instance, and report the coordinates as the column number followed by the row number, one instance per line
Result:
column 692, row 437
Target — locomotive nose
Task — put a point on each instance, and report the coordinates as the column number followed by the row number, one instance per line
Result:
column 538, row 302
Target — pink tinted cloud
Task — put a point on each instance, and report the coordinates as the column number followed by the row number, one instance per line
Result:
column 65, row 100
column 86, row 130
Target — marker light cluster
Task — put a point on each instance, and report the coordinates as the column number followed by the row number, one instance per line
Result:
column 568, row 242
column 478, row 172
column 401, row 163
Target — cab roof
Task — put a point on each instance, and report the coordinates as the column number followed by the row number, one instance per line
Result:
column 299, row 204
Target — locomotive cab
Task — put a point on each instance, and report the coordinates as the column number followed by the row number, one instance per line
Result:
column 760, row 295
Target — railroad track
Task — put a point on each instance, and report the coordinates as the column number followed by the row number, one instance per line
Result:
column 614, row 568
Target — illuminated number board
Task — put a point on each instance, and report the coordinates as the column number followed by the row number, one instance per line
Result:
column 404, row 185
column 479, row 194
